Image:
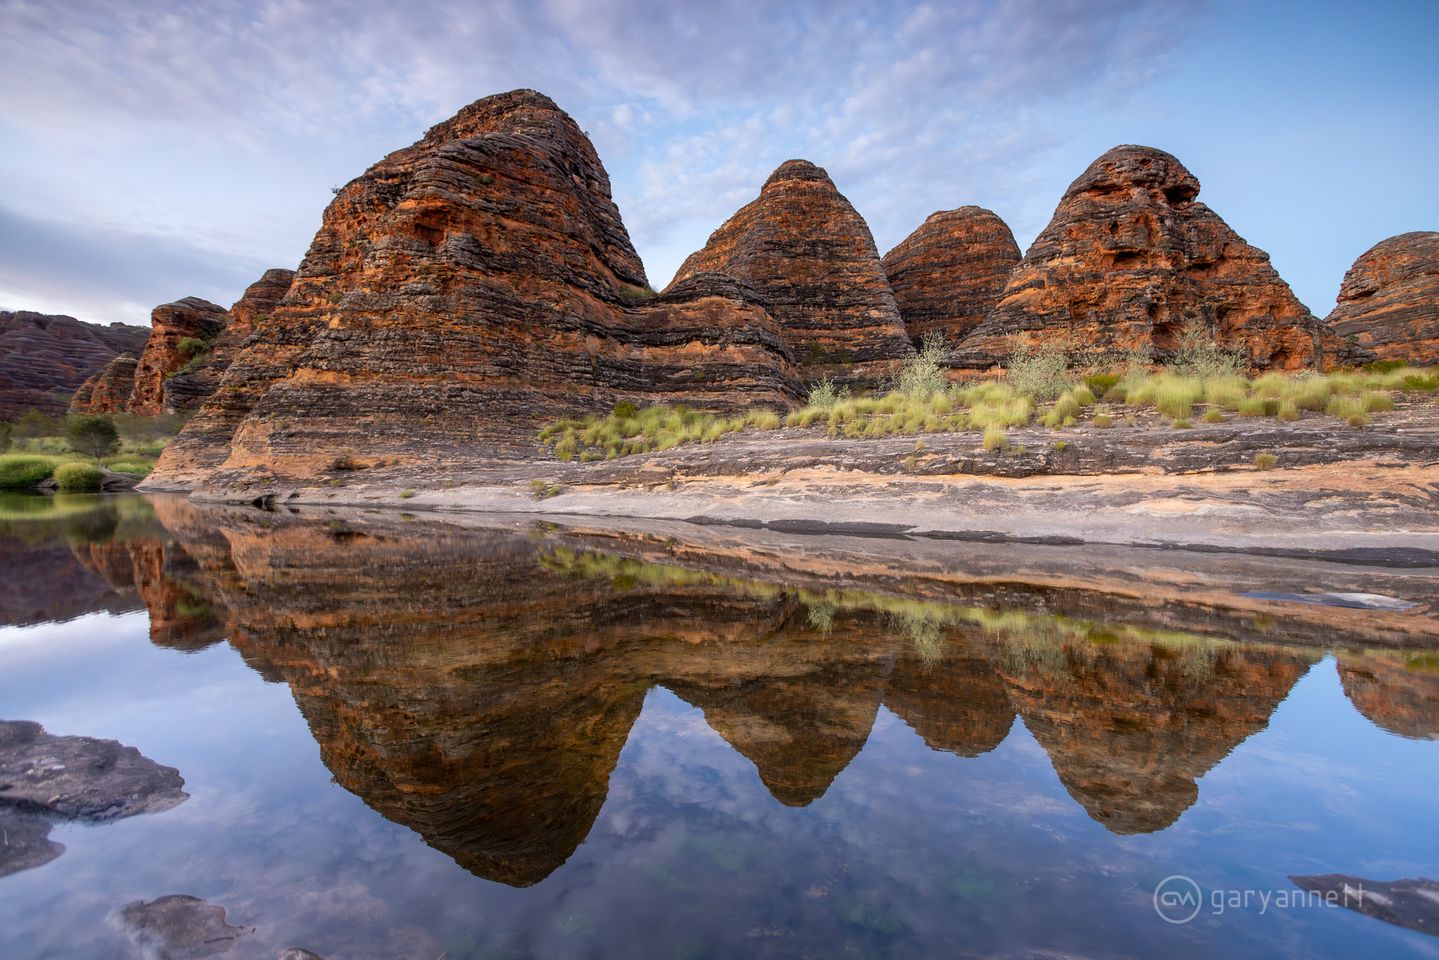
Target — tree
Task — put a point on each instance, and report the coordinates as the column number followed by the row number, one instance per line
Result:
column 92, row 434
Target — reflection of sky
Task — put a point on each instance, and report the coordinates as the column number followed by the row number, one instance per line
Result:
column 921, row 852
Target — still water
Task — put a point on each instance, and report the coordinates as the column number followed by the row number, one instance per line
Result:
column 404, row 739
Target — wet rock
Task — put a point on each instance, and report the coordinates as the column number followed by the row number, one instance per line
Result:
column 1412, row 904
column 812, row 258
column 25, row 842
column 179, row 927
column 81, row 778
column 1131, row 258
column 44, row 358
column 948, row 274
column 296, row 953
column 1389, row 301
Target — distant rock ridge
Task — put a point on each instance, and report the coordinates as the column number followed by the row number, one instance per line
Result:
column 461, row 292
column 1131, row 258
column 1389, row 301
column 45, row 358
column 811, row 256
column 179, row 331
column 948, row 274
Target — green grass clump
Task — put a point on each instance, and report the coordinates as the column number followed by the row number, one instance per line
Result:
column 627, row 431
column 1182, row 424
column 543, row 489
column 1253, row 407
column 1376, row 401
column 1226, row 392
column 78, row 477
column 1265, row 461
column 1101, row 383
column 1288, row 409
column 20, row 471
column 995, row 439
column 1103, row 420
column 1349, row 409
column 1213, row 416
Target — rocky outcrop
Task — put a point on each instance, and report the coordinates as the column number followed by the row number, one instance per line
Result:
column 806, row 250
column 461, row 292
column 1389, row 301
column 109, row 390
column 948, row 274
column 1131, row 259
column 179, row 333
column 189, row 388
column 44, row 359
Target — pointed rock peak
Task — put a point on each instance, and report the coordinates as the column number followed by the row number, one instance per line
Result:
column 1129, row 167
column 798, row 170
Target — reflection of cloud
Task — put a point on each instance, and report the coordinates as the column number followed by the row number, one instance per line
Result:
column 911, row 106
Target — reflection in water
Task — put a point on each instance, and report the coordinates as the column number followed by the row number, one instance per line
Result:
column 479, row 685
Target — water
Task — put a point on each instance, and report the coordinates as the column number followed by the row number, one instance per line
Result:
column 405, row 739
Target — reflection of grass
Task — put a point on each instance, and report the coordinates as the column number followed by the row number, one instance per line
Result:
column 873, row 918
column 971, row 885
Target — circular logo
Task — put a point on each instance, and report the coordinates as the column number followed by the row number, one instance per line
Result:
column 1177, row 899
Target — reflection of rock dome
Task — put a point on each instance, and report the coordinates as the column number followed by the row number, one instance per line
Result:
column 1392, row 694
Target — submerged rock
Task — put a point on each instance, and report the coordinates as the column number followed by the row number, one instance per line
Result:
column 25, row 842
column 81, row 778
column 179, row 927
column 1389, row 301
column 1412, row 904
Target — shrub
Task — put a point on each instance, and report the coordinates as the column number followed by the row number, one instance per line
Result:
column 1182, row 424
column 1040, row 372
column 1253, row 407
column 1288, row 409
column 1350, row 409
column 406, row 494
column 1101, row 383
column 1103, row 420
column 826, row 394
column 995, row 439
column 923, row 375
column 543, row 489
column 190, row 348
column 75, row 477
column 1213, row 416
column 1265, row 461
column 1377, row 401
column 92, row 434
column 21, row 472
column 624, row 410
column 1199, row 356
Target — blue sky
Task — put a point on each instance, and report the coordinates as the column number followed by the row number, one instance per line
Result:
column 158, row 150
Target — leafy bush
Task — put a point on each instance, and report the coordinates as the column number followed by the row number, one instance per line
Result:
column 77, row 477
column 22, row 472
column 825, row 394
column 92, row 434
column 190, row 348
column 1040, row 372
column 1199, row 356
column 923, row 376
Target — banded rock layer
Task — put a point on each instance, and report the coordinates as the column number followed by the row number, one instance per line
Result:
column 109, row 390
column 44, row 359
column 1131, row 258
column 177, row 331
column 948, row 274
column 1389, row 301
column 811, row 256
column 461, row 292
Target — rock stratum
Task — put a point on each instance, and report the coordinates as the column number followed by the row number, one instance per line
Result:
column 948, row 274
column 463, row 291
column 1131, row 258
column 44, row 358
column 811, row 256
column 1389, row 301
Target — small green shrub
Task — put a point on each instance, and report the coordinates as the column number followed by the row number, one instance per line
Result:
column 1265, row 461
column 1040, row 372
column 1213, row 416
column 406, row 494
column 1182, row 424
column 1101, row 383
column 923, row 375
column 1103, row 420
column 624, row 410
column 543, row 489
column 77, row 477
column 1200, row 357
column 995, row 439
column 825, row 394
column 22, row 472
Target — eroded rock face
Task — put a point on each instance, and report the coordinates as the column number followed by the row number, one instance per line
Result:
column 948, row 274
column 461, row 292
column 44, row 359
column 1131, row 258
column 109, row 390
column 1389, row 301
column 812, row 258
column 189, row 389
column 177, row 331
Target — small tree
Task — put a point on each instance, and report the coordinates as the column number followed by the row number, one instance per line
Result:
column 92, row 434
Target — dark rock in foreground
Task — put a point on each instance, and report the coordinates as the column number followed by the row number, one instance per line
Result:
column 81, row 778
column 1412, row 904
column 179, row 927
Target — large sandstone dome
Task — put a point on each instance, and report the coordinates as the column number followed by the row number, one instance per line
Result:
column 461, row 292
column 1131, row 258
column 811, row 256
column 948, row 274
column 1389, row 301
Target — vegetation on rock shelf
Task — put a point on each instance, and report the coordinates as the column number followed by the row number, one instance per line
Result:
column 627, row 430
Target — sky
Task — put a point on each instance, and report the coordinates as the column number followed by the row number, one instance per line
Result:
column 157, row 150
